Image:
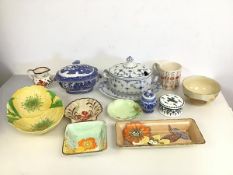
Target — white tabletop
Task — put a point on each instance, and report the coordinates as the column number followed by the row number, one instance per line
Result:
column 27, row 154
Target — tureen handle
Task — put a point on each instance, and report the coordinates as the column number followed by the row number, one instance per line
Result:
column 76, row 62
column 156, row 70
column 106, row 73
column 156, row 84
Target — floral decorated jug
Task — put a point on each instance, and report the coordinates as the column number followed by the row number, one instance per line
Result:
column 40, row 76
column 169, row 73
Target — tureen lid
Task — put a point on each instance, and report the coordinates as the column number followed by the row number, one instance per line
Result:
column 171, row 101
column 76, row 71
column 130, row 69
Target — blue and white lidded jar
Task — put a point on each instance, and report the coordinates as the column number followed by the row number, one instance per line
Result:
column 171, row 105
column 148, row 101
column 77, row 78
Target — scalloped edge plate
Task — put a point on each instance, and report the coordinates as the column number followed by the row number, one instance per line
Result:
column 80, row 105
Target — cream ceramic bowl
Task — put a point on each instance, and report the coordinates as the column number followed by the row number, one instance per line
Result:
column 200, row 88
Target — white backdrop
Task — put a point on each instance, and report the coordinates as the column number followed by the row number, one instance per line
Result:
column 196, row 33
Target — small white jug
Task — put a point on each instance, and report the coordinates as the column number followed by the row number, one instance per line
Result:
column 40, row 76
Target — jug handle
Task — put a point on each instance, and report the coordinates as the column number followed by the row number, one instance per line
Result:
column 156, row 68
column 30, row 74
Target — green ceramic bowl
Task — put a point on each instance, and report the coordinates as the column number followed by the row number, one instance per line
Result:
column 122, row 109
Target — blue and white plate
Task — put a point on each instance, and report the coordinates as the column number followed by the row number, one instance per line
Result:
column 104, row 89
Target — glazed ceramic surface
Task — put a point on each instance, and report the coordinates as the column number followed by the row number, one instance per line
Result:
column 85, row 137
column 158, row 133
column 77, row 78
column 84, row 109
column 34, row 109
column 104, row 89
column 148, row 101
column 171, row 105
column 124, row 109
column 169, row 73
column 128, row 78
column 200, row 88
column 40, row 76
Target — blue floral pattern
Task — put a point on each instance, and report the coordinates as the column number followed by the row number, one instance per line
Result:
column 77, row 78
column 148, row 101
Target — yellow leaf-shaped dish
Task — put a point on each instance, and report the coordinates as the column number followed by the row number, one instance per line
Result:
column 34, row 109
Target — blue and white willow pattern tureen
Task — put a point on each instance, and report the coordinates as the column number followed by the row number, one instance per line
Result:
column 128, row 78
column 77, row 78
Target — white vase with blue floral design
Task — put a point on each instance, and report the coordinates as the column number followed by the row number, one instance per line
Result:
column 148, row 101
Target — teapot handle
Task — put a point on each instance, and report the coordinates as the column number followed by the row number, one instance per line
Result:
column 29, row 72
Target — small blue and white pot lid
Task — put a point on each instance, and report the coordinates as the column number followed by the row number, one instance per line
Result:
column 76, row 72
column 171, row 101
column 148, row 94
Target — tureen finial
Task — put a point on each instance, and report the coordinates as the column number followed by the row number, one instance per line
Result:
column 76, row 62
column 130, row 63
column 129, row 59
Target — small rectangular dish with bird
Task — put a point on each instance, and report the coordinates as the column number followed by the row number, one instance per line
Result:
column 158, row 133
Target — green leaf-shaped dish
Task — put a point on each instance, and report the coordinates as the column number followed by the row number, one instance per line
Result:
column 122, row 109
column 34, row 109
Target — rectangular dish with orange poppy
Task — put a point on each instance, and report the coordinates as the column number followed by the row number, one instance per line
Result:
column 158, row 133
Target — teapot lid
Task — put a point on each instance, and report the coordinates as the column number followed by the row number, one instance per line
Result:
column 76, row 71
column 130, row 69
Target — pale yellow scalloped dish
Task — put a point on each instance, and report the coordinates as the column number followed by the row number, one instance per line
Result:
column 34, row 109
